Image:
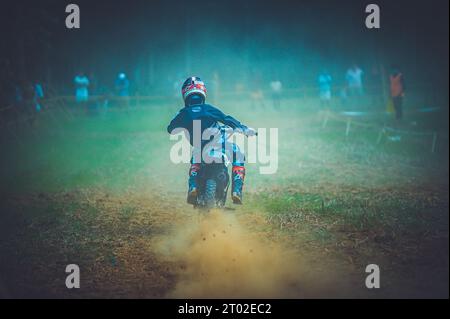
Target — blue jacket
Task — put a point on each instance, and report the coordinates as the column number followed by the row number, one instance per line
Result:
column 209, row 116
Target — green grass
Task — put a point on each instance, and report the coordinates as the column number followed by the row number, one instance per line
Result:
column 361, row 210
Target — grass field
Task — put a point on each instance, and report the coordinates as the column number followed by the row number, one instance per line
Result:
column 99, row 190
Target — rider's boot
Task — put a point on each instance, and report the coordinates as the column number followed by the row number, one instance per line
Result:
column 237, row 184
column 193, row 188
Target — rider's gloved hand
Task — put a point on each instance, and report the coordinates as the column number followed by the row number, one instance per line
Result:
column 250, row 131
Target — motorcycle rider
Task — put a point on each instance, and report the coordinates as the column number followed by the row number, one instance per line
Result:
column 194, row 95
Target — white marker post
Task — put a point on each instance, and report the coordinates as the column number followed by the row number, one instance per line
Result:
column 347, row 129
column 433, row 144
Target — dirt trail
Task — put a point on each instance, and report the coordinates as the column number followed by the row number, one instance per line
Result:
column 219, row 257
column 139, row 245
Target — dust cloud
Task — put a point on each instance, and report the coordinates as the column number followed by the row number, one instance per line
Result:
column 218, row 258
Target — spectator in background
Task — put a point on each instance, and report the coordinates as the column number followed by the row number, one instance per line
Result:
column 276, row 87
column 122, row 85
column 38, row 96
column 324, row 80
column 81, row 88
column 354, row 81
column 397, row 89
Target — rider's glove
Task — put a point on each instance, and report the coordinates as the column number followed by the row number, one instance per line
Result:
column 250, row 131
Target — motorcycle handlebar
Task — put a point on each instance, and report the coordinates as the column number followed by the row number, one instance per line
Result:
column 231, row 130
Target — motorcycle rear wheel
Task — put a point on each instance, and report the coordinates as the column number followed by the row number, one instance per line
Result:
column 210, row 193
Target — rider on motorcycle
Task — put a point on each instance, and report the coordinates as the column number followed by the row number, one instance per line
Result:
column 194, row 96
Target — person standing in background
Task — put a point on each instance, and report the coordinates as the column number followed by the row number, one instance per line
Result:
column 123, row 88
column 397, row 88
column 122, row 85
column 38, row 96
column 354, row 81
column 354, row 88
column 324, row 81
column 276, row 87
column 81, row 88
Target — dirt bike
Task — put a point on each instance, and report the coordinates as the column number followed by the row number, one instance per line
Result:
column 213, row 179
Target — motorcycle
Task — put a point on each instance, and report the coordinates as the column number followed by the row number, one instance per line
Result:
column 214, row 179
